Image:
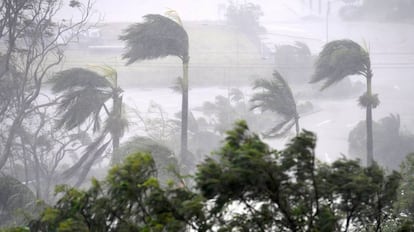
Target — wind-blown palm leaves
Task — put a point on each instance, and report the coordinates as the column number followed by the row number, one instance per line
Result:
column 83, row 98
column 339, row 59
column 83, row 95
column 342, row 58
column 157, row 37
column 276, row 96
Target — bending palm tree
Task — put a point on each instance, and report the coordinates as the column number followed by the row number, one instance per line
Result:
column 84, row 95
column 277, row 97
column 157, row 37
column 342, row 58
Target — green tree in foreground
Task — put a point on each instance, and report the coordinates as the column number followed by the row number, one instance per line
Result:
column 157, row 37
column 247, row 187
column 130, row 199
column 339, row 59
column 255, row 188
column 405, row 202
column 276, row 96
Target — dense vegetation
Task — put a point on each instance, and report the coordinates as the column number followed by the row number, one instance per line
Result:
column 244, row 186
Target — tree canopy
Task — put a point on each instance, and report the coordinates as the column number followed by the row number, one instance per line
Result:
column 244, row 186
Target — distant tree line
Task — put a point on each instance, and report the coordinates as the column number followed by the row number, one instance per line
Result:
column 380, row 10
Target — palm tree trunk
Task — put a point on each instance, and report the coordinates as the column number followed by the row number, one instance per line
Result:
column 117, row 108
column 297, row 125
column 184, row 109
column 370, row 147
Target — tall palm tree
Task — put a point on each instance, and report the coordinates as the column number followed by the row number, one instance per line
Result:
column 276, row 96
column 84, row 96
column 339, row 59
column 157, row 37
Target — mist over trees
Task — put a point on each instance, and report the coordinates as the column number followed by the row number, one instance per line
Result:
column 379, row 10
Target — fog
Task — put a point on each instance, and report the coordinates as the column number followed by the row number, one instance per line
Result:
column 392, row 57
column 81, row 94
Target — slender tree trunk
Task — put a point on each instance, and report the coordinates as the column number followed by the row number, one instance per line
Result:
column 37, row 174
column 370, row 147
column 117, row 107
column 184, row 109
column 115, row 143
column 297, row 125
column 7, row 150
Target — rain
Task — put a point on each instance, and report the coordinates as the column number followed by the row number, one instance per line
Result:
column 209, row 115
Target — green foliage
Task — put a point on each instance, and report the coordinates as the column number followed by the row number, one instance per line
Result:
column 288, row 190
column 248, row 186
column 405, row 204
column 130, row 199
column 165, row 160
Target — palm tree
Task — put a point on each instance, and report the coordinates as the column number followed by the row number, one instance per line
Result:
column 276, row 96
column 84, row 95
column 339, row 59
column 157, row 37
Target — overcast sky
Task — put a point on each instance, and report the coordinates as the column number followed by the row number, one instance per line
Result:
column 133, row 10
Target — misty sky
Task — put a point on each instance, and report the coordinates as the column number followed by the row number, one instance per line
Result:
column 133, row 10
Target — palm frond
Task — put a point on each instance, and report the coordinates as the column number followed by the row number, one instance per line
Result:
column 84, row 94
column 158, row 36
column 366, row 100
column 280, row 130
column 392, row 124
column 95, row 155
column 108, row 72
column 77, row 106
column 77, row 77
column 339, row 59
column 173, row 14
column 276, row 96
column 90, row 149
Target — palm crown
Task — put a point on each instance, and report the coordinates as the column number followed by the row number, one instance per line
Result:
column 157, row 37
column 339, row 59
column 84, row 94
column 276, row 97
